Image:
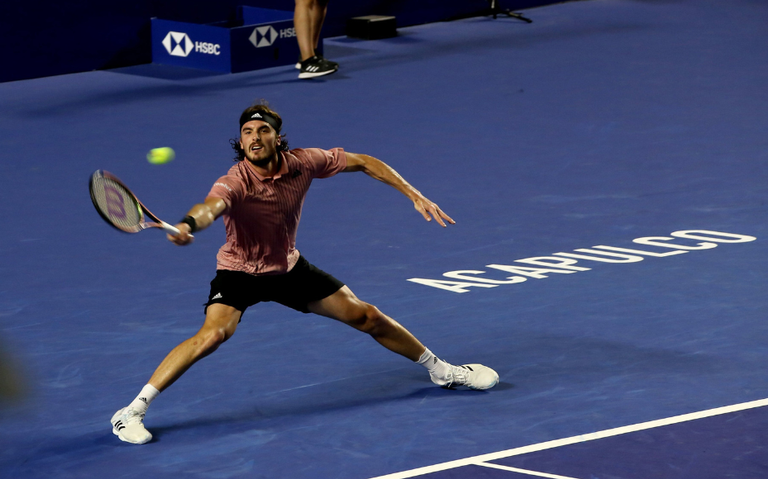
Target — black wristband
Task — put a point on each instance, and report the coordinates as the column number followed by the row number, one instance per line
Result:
column 190, row 220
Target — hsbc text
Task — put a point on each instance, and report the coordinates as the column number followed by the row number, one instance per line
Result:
column 208, row 48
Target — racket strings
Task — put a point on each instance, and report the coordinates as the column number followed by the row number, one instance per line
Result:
column 116, row 204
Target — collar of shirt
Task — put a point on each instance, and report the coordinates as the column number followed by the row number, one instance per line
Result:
column 283, row 170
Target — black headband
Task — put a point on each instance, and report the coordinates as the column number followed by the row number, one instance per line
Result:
column 259, row 115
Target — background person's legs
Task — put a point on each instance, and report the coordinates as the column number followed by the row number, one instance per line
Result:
column 308, row 18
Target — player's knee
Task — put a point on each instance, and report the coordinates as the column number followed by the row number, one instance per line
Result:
column 370, row 319
column 209, row 341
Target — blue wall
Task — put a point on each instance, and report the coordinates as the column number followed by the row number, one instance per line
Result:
column 53, row 37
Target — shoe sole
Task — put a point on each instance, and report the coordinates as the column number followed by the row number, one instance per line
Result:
column 120, row 436
column 453, row 388
column 495, row 382
column 304, row 75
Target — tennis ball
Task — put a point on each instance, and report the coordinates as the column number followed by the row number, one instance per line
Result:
column 161, row 156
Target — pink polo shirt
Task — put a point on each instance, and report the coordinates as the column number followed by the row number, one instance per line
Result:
column 263, row 214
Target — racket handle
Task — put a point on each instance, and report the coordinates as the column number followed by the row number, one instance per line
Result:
column 170, row 229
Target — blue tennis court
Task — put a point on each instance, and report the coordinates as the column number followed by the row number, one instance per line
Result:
column 607, row 167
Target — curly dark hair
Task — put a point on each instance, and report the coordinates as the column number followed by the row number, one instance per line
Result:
column 260, row 107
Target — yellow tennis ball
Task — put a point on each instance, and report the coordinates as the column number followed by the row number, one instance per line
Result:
column 160, row 156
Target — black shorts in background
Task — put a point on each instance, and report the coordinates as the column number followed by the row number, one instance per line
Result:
column 302, row 285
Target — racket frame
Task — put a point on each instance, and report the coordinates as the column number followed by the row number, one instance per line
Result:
column 143, row 210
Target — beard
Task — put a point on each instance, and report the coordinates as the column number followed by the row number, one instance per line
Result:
column 260, row 163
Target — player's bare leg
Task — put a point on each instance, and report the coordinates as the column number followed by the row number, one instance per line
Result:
column 344, row 306
column 220, row 324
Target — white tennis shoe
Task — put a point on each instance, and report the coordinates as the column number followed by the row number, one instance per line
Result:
column 128, row 425
column 473, row 376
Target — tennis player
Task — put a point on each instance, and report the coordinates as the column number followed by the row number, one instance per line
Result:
column 261, row 198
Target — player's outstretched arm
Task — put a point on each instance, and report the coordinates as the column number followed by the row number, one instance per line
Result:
column 376, row 168
column 203, row 216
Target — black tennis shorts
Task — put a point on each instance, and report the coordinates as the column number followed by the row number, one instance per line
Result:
column 302, row 285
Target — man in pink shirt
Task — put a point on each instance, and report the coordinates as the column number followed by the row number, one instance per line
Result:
column 261, row 198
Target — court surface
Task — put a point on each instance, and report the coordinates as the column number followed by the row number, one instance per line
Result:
column 602, row 127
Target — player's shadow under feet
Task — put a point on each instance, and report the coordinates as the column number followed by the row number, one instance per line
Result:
column 323, row 399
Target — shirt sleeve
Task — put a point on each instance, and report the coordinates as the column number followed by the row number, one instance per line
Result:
column 228, row 189
column 326, row 163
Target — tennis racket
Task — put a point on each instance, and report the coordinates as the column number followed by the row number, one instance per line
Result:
column 120, row 208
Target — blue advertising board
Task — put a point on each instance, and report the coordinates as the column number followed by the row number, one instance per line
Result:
column 263, row 46
column 191, row 45
column 232, row 50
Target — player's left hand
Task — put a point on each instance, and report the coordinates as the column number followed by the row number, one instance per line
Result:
column 430, row 210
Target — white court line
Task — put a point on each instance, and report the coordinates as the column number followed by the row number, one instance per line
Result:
column 478, row 460
column 523, row 471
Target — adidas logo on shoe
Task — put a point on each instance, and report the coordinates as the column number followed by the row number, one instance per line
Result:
column 317, row 66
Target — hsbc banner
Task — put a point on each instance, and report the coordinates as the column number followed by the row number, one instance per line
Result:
column 190, row 45
column 264, row 46
column 238, row 49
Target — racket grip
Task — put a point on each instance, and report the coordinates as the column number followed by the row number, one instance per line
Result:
column 170, row 229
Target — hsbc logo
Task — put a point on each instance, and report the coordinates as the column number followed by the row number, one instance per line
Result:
column 263, row 36
column 266, row 35
column 178, row 44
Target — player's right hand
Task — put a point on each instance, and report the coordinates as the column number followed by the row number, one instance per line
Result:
column 184, row 237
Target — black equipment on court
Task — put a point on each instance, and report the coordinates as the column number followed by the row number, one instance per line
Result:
column 495, row 10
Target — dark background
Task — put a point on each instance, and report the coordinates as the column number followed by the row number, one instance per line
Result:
column 51, row 37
